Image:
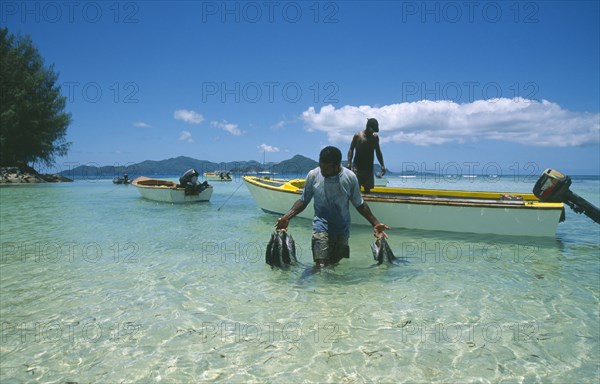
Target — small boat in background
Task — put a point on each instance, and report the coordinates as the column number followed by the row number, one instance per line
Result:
column 380, row 181
column 122, row 180
column 171, row 192
column 218, row 176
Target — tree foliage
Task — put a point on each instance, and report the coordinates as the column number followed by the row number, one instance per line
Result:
column 33, row 121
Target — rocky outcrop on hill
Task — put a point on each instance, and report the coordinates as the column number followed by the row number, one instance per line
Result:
column 20, row 175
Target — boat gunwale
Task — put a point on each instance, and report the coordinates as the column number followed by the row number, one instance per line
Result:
column 423, row 199
column 164, row 184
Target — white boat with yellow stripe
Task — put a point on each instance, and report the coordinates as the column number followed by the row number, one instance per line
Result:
column 500, row 213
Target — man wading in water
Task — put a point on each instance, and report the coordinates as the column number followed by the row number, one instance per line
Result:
column 333, row 187
column 366, row 142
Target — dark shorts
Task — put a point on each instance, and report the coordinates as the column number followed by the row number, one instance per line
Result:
column 328, row 250
column 365, row 177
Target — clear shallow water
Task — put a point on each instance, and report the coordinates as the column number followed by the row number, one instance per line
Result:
column 99, row 285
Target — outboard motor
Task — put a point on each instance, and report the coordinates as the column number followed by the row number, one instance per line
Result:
column 189, row 178
column 553, row 186
column 189, row 181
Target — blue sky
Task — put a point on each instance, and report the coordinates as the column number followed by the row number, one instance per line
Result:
column 488, row 87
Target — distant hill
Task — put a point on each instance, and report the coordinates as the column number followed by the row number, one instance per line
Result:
column 176, row 166
column 297, row 165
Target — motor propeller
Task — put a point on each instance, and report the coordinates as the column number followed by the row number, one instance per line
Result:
column 553, row 186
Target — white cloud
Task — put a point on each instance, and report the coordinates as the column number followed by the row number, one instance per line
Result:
column 279, row 124
column 185, row 136
column 227, row 127
column 267, row 148
column 425, row 122
column 190, row 117
column 141, row 124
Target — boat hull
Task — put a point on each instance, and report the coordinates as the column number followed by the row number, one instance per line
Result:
column 431, row 210
column 167, row 192
column 121, row 180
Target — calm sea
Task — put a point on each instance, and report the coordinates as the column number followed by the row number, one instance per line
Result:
column 99, row 285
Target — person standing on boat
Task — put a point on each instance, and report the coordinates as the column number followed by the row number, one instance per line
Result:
column 366, row 143
column 333, row 187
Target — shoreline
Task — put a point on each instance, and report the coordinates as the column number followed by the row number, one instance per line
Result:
column 27, row 175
